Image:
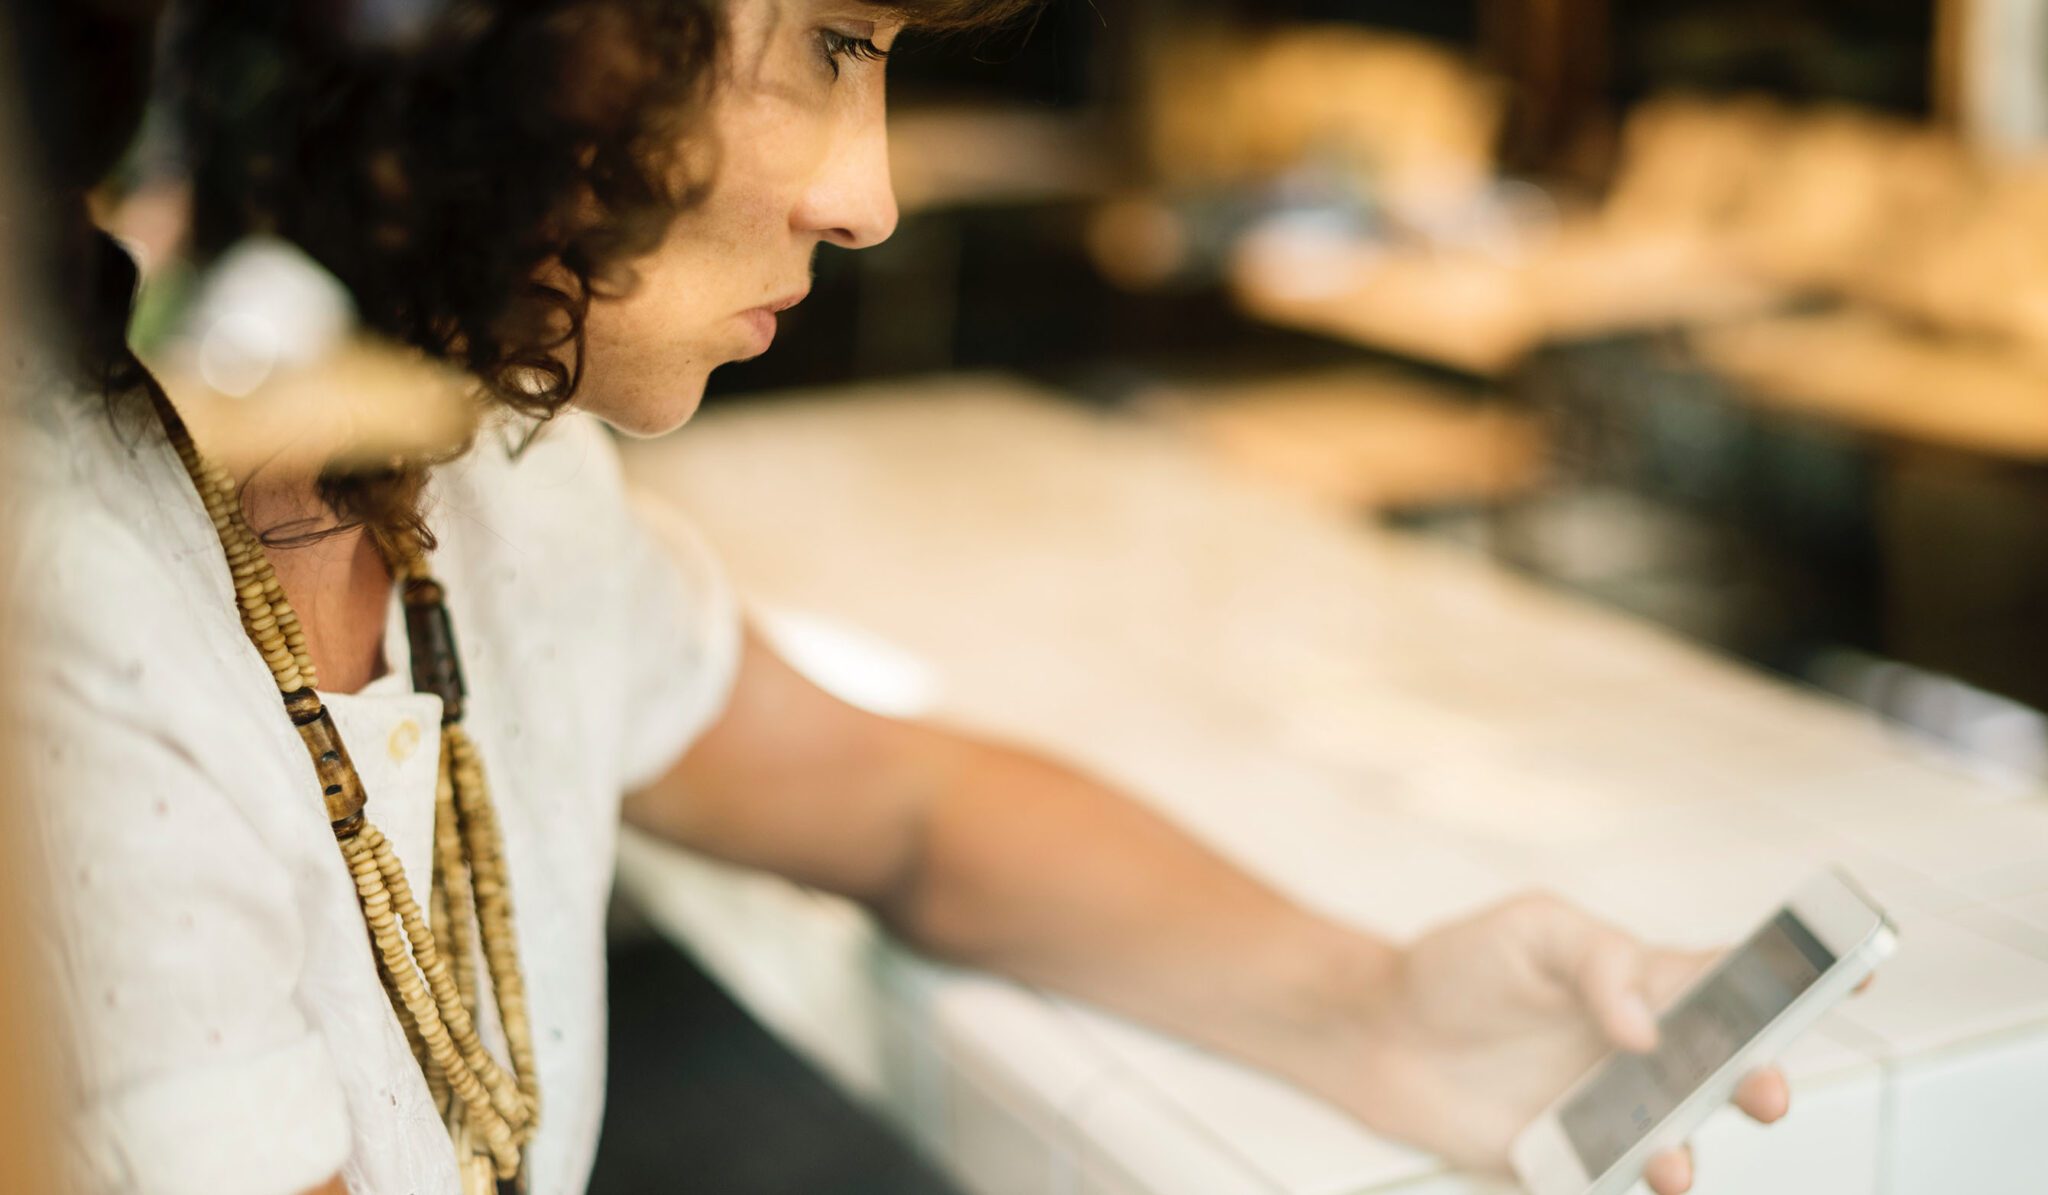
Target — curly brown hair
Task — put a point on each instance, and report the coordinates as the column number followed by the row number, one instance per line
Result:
column 440, row 177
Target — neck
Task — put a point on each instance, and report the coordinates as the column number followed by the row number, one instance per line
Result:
column 338, row 583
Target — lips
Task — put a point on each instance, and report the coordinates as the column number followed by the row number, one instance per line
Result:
column 760, row 321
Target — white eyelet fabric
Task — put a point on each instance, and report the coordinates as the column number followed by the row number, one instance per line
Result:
column 226, row 1026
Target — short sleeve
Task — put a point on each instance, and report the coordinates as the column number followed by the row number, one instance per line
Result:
column 685, row 649
column 170, row 927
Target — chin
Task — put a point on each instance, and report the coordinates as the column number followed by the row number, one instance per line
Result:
column 649, row 411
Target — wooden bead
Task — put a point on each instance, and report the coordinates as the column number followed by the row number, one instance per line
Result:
column 340, row 786
column 435, row 667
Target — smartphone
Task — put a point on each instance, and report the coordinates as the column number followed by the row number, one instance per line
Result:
column 1596, row 1139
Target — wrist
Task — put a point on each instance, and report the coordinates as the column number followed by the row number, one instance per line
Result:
column 1349, row 992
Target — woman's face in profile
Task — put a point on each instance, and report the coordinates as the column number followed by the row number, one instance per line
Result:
column 802, row 158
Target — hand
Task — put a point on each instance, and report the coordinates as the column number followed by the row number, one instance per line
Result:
column 1478, row 1026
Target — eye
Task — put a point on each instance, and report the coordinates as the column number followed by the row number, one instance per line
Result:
column 840, row 47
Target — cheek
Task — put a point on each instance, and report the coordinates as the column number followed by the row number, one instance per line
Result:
column 736, row 237
column 647, row 354
column 645, row 361
column 770, row 146
column 738, row 230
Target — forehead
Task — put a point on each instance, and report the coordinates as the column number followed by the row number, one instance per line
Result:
column 772, row 14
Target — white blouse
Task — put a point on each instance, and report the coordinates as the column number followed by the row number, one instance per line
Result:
column 226, row 1025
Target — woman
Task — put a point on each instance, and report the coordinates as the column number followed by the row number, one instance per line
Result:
column 588, row 205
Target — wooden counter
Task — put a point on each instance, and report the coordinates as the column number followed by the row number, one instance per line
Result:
column 1391, row 731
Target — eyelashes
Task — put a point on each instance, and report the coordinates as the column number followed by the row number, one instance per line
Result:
column 840, row 48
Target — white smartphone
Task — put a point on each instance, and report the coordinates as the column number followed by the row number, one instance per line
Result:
column 1596, row 1139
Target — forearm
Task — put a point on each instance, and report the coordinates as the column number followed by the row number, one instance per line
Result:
column 1033, row 870
column 1001, row 859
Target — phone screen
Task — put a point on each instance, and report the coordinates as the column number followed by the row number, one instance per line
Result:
column 1630, row 1093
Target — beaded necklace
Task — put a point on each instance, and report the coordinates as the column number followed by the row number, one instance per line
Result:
column 426, row 961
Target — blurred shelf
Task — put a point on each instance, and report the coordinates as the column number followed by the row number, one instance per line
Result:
column 944, row 157
column 1359, row 439
column 1482, row 313
column 1880, row 377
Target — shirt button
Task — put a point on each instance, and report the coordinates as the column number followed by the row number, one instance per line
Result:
column 405, row 739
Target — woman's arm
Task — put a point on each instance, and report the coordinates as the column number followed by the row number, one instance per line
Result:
column 995, row 857
column 986, row 855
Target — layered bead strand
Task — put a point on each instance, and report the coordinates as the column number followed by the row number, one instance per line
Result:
column 478, row 889
column 428, row 969
column 267, row 617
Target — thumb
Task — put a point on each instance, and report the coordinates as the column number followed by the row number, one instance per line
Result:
column 1611, row 979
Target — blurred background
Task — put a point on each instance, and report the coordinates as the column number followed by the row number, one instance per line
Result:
column 1731, row 314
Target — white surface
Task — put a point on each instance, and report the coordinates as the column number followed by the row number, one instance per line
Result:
column 1830, row 1141
column 1970, row 1121
column 1387, row 730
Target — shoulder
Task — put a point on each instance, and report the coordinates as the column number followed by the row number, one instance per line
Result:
column 112, row 581
column 569, row 462
column 551, row 497
column 90, row 554
column 85, row 584
column 546, row 546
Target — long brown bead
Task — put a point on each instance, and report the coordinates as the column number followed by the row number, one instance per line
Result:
column 340, row 786
column 435, row 666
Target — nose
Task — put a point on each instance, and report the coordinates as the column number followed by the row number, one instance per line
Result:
column 850, row 201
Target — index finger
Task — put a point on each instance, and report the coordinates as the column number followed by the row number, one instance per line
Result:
column 1673, row 971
